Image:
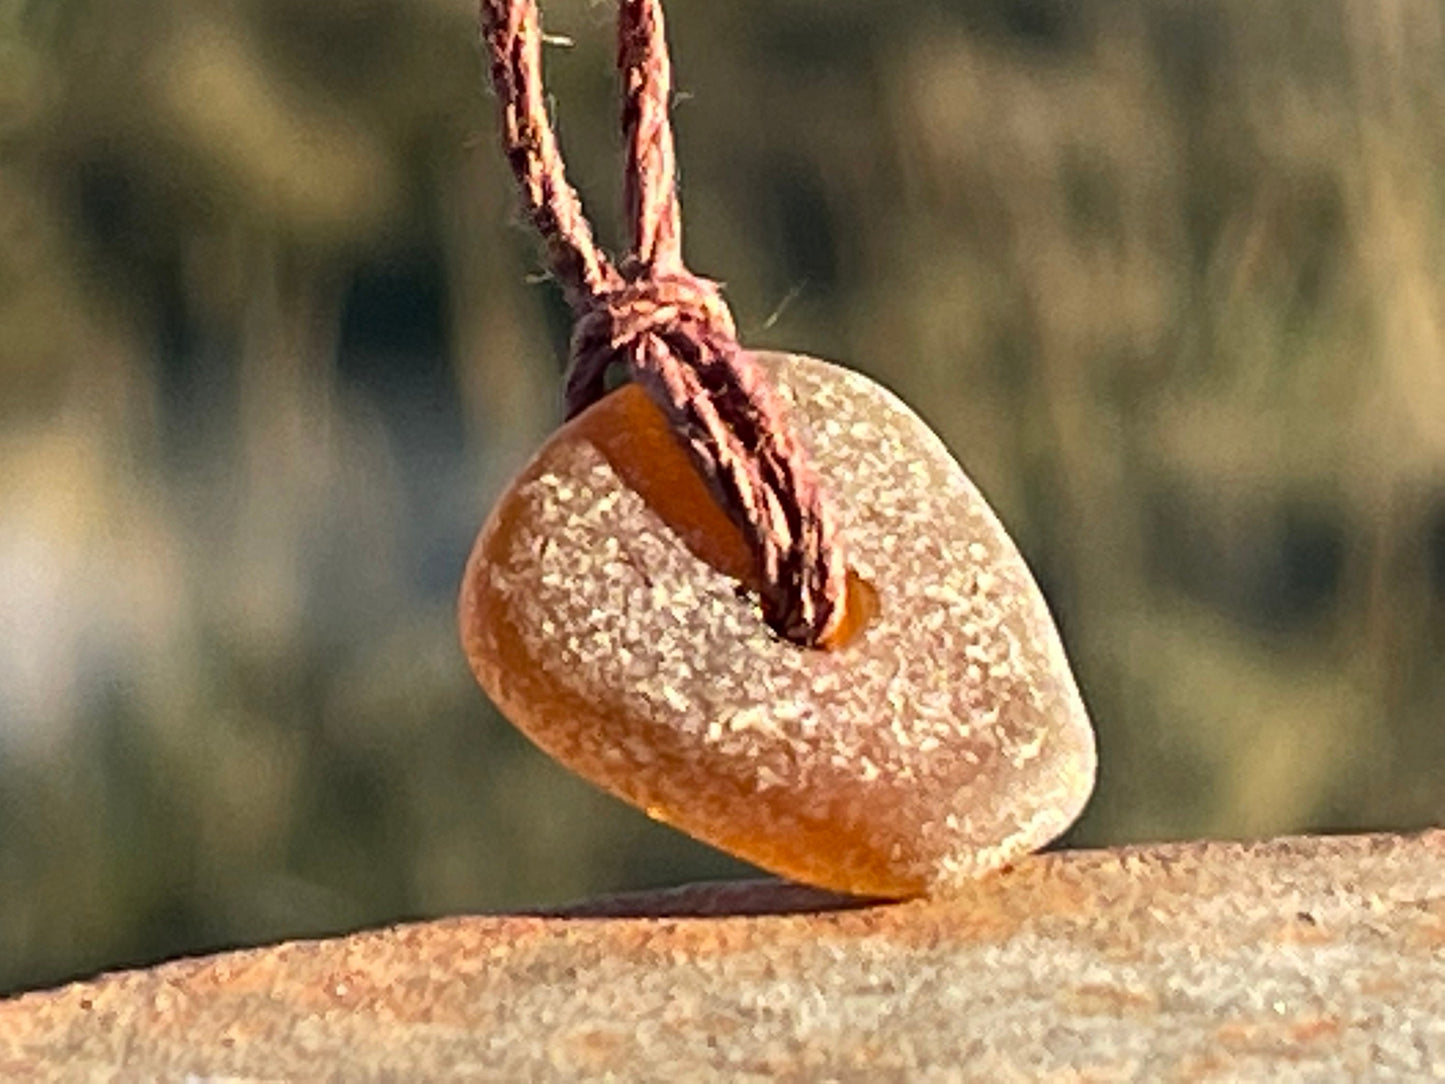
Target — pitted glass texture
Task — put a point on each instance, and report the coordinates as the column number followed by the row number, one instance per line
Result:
column 609, row 611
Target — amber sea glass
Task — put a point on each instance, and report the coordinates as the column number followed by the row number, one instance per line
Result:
column 609, row 611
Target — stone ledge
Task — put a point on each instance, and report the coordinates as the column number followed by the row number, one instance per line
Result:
column 1300, row 958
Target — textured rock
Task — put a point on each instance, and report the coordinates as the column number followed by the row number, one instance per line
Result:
column 606, row 611
column 1300, row 959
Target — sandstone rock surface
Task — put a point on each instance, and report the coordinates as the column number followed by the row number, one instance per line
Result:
column 1297, row 959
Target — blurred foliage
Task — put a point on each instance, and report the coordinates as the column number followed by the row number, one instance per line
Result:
column 1169, row 278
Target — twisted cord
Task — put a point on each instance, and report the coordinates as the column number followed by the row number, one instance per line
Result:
column 512, row 35
column 650, row 183
column 670, row 327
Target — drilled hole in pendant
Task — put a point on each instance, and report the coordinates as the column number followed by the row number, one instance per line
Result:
column 632, row 435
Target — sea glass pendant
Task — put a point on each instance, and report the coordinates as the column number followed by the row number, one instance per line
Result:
column 609, row 610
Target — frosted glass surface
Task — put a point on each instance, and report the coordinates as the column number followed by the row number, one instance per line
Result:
column 608, row 610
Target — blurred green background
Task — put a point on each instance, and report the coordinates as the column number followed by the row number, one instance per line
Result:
column 1168, row 277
